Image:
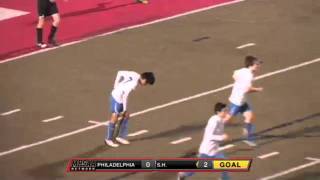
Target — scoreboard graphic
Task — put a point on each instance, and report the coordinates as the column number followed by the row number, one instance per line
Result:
column 167, row 165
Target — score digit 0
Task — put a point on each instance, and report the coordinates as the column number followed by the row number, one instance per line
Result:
column 148, row 164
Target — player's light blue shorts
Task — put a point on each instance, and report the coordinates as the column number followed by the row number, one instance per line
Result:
column 219, row 155
column 235, row 109
column 115, row 107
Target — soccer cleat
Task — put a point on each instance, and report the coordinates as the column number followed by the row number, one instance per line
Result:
column 250, row 143
column 41, row 45
column 53, row 42
column 111, row 143
column 122, row 141
column 143, row 1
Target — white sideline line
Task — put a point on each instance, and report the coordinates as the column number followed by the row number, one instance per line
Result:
column 155, row 108
column 315, row 161
column 138, row 133
column 10, row 112
column 246, row 45
column 123, row 29
column 181, row 140
column 226, row 147
column 264, row 156
column 53, row 119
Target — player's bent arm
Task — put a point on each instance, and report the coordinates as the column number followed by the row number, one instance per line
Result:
column 254, row 89
column 222, row 137
column 119, row 77
column 125, row 97
column 215, row 137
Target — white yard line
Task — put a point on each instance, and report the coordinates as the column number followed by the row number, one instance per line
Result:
column 10, row 112
column 264, row 156
column 297, row 168
column 156, row 108
column 124, row 29
column 246, row 45
column 138, row 133
column 52, row 119
column 181, row 140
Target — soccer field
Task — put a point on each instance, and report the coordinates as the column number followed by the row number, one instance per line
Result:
column 54, row 104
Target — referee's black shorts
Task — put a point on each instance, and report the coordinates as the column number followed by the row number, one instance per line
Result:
column 47, row 8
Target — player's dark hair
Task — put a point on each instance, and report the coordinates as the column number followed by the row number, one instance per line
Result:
column 250, row 61
column 149, row 77
column 218, row 107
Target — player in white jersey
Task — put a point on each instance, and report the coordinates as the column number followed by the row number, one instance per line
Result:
column 213, row 136
column 243, row 79
column 126, row 81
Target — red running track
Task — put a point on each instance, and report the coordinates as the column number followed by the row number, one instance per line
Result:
column 85, row 19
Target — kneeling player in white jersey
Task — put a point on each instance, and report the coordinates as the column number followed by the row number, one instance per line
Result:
column 243, row 79
column 126, row 81
column 213, row 136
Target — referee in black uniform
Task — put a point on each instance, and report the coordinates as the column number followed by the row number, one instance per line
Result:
column 47, row 8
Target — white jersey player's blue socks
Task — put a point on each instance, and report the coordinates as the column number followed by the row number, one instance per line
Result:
column 250, row 130
column 110, row 131
column 123, row 133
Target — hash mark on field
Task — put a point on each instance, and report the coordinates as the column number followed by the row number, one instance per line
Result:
column 138, row 133
column 264, row 156
column 246, row 45
column 52, row 119
column 181, row 140
column 10, row 112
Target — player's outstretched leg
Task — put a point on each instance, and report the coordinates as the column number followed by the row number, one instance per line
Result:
column 123, row 131
column 110, row 131
column 249, row 128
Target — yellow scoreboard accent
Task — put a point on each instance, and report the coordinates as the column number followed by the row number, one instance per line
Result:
column 231, row 164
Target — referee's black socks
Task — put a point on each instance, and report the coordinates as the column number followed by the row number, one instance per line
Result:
column 52, row 33
column 39, row 35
